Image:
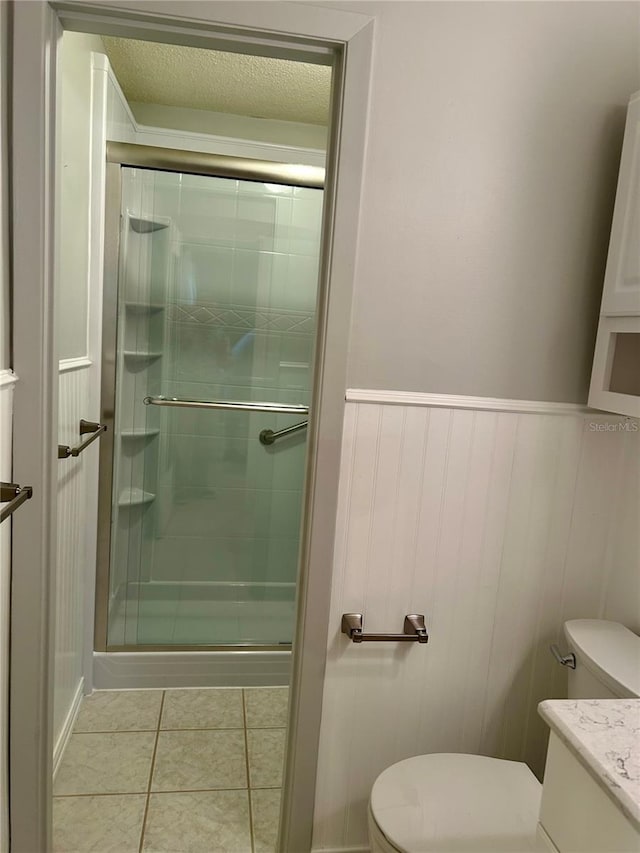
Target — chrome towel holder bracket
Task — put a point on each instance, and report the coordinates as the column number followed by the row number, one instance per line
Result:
column 94, row 430
column 14, row 496
column 414, row 630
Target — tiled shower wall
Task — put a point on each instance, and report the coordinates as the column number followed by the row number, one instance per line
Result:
column 240, row 324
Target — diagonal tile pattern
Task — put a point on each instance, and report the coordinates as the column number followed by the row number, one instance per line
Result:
column 186, row 771
column 238, row 318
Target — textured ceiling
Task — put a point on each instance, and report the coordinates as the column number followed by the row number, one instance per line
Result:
column 257, row 86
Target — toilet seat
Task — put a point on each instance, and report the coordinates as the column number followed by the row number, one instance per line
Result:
column 455, row 803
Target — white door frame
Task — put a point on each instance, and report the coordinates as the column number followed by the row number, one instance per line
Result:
column 278, row 29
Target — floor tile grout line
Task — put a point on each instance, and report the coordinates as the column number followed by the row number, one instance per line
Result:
column 168, row 791
column 246, row 751
column 153, row 764
column 119, row 732
column 100, row 794
column 178, row 729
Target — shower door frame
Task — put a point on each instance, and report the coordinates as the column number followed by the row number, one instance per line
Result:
column 178, row 161
column 283, row 30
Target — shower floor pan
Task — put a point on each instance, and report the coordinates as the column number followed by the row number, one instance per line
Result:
column 234, row 668
column 201, row 635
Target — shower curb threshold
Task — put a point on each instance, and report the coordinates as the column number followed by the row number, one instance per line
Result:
column 167, row 669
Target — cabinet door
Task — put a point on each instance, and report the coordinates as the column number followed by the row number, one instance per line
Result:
column 615, row 379
column 621, row 293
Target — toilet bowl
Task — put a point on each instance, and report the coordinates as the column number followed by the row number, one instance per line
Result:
column 458, row 803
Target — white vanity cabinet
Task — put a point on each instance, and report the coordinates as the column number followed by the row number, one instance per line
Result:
column 576, row 815
column 591, row 790
column 615, row 380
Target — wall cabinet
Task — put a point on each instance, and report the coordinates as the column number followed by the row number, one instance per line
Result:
column 615, row 380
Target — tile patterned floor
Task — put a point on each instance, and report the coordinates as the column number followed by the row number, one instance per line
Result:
column 179, row 771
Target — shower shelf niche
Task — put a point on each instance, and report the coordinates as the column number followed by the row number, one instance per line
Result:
column 146, row 226
column 138, row 433
column 135, row 497
column 139, row 360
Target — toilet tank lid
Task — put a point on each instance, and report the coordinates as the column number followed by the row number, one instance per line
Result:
column 610, row 651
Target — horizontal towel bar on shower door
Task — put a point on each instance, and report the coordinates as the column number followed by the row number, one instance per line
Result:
column 236, row 405
column 268, row 436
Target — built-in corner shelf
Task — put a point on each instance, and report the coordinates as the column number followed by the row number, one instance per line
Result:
column 146, row 226
column 143, row 308
column 138, row 433
column 135, row 497
column 140, row 357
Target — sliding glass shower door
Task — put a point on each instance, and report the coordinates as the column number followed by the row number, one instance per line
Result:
column 216, row 309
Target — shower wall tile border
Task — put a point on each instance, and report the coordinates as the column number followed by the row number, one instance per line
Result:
column 495, row 518
column 237, row 317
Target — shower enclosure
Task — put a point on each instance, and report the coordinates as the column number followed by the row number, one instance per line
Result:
column 208, row 334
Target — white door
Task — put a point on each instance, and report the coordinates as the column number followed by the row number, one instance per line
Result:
column 7, row 382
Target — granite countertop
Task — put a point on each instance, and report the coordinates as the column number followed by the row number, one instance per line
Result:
column 604, row 735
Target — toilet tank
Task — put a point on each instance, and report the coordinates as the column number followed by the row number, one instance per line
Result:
column 607, row 660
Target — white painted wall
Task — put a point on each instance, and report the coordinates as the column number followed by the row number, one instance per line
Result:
column 94, row 107
column 72, row 255
column 225, row 124
column 78, row 373
column 72, row 566
column 622, row 590
column 498, row 527
column 493, row 149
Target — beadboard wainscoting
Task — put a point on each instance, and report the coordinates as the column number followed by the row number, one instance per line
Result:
column 72, row 569
column 7, row 384
column 496, row 520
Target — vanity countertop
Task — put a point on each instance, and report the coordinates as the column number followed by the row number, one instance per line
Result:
column 604, row 735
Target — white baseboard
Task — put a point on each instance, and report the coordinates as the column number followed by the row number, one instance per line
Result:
column 67, row 728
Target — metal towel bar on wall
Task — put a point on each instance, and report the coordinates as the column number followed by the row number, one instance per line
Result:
column 14, row 496
column 86, row 427
column 414, row 630
column 236, row 405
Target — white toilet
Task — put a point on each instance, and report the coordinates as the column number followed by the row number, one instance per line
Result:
column 456, row 803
